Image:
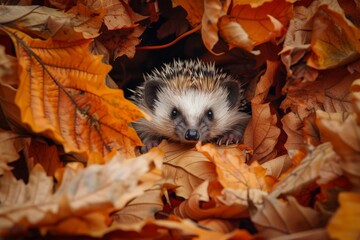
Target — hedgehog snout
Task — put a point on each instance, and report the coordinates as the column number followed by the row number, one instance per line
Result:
column 192, row 135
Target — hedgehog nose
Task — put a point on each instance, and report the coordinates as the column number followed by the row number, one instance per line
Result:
column 192, row 134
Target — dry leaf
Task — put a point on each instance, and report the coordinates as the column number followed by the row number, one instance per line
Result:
column 185, row 167
column 82, row 200
column 121, row 42
column 307, row 172
column 277, row 218
column 262, row 23
column 142, row 208
column 71, row 103
column 194, row 207
column 334, row 40
column 47, row 155
column 319, row 233
column 194, row 9
column 213, row 10
column 262, row 133
column 275, row 167
column 345, row 137
column 345, row 222
column 234, row 173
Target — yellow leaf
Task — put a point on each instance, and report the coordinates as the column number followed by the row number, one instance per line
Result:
column 334, row 40
column 63, row 96
column 344, row 224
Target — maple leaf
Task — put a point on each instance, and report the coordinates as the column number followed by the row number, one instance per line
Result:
column 63, row 96
column 344, row 224
column 84, row 198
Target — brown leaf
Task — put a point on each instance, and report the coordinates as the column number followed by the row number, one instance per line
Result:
column 82, row 200
column 121, row 42
column 345, row 137
column 262, row 133
column 277, row 218
column 275, row 167
column 307, row 172
column 186, row 167
column 345, row 222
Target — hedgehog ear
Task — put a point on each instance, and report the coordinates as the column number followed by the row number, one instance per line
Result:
column 233, row 92
column 151, row 89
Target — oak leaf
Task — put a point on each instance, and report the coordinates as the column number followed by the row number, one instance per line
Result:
column 344, row 224
column 63, row 96
column 92, row 194
column 277, row 218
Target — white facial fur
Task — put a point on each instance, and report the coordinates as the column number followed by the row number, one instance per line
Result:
column 193, row 104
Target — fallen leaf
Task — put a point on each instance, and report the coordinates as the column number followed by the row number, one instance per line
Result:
column 185, row 167
column 263, row 23
column 275, row 167
column 355, row 95
column 277, row 218
column 234, row 173
column 194, row 9
column 319, row 233
column 213, row 10
column 85, row 199
column 345, row 222
column 40, row 152
column 345, row 137
column 306, row 173
column 262, row 133
column 194, row 207
column 101, row 114
column 87, row 21
column 334, row 40
column 121, row 42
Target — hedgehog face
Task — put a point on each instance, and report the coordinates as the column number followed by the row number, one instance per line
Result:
column 191, row 115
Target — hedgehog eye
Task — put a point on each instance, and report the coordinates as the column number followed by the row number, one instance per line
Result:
column 174, row 113
column 210, row 114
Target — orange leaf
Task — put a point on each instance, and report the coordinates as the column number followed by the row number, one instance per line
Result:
column 62, row 95
column 194, row 9
column 265, row 22
column 234, row 173
column 334, row 40
column 344, row 224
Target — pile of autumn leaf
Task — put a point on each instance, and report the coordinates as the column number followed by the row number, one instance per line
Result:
column 296, row 176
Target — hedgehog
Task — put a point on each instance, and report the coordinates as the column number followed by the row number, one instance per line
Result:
column 190, row 101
